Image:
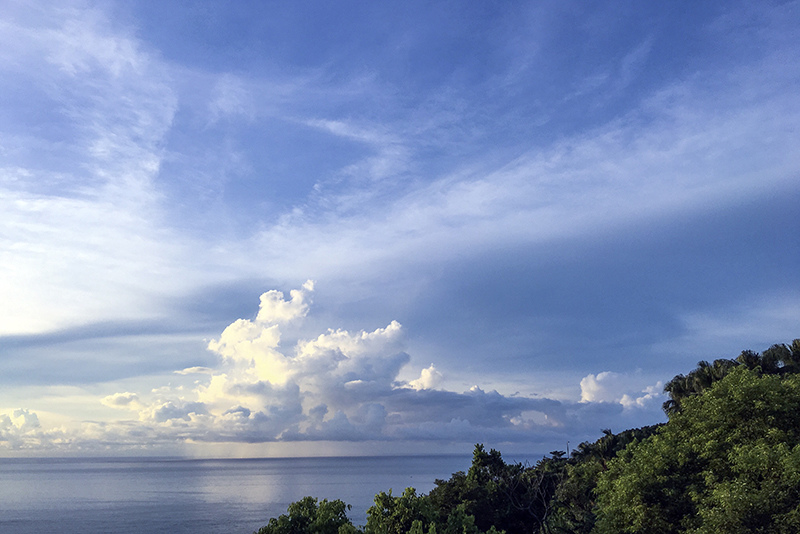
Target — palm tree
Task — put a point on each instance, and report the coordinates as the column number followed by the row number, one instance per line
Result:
column 678, row 389
column 695, row 383
column 749, row 359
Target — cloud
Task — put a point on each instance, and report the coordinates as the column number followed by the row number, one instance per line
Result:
column 651, row 394
column 121, row 400
column 428, row 379
column 411, row 183
column 603, row 387
column 21, row 420
column 195, row 370
column 21, row 430
column 390, row 156
column 754, row 324
column 82, row 214
column 121, row 101
column 619, row 388
column 168, row 412
column 683, row 146
column 618, row 176
column 274, row 309
column 336, row 386
column 231, row 99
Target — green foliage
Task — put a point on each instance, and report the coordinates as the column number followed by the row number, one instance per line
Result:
column 574, row 503
column 417, row 514
column 491, row 497
column 399, row 515
column 307, row 516
column 779, row 359
column 728, row 462
column 574, row 509
column 510, row 497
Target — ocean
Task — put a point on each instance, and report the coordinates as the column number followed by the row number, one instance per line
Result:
column 177, row 496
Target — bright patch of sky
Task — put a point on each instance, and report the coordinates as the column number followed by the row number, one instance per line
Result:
column 520, row 219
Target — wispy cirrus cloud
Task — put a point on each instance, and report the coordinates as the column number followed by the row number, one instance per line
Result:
column 679, row 153
column 90, row 231
column 531, row 175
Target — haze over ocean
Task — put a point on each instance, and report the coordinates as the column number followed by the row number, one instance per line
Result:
column 179, row 496
column 268, row 229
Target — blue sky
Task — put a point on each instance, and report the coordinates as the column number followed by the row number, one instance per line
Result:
column 263, row 228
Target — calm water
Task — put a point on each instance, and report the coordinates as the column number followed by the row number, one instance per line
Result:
column 146, row 495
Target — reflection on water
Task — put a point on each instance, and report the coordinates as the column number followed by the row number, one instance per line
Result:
column 200, row 496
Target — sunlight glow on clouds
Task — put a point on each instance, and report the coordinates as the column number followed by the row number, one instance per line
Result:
column 512, row 184
column 428, row 379
column 338, row 386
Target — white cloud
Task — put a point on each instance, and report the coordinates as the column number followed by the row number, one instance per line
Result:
column 170, row 411
column 99, row 246
column 651, row 394
column 621, row 388
column 428, row 379
column 195, row 370
column 391, row 155
column 274, row 309
column 602, row 387
column 83, row 241
column 686, row 147
column 339, row 386
column 254, row 344
column 21, row 430
column 22, row 421
column 237, row 408
column 122, row 400
column 106, row 252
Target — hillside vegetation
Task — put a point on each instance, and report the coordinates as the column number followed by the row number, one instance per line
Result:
column 727, row 461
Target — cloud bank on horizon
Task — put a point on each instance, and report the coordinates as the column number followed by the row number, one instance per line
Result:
column 339, row 386
column 561, row 203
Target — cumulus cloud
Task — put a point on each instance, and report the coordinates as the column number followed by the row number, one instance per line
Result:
column 602, row 387
column 121, row 400
column 428, row 379
column 173, row 410
column 619, row 388
column 275, row 309
column 21, row 430
column 651, row 393
column 337, row 386
column 20, row 420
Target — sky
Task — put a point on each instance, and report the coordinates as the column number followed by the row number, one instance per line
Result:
column 321, row 228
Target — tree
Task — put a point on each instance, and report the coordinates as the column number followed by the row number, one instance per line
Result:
column 416, row 514
column 307, row 516
column 696, row 382
column 728, row 462
column 574, row 501
column 399, row 515
column 778, row 359
column 515, row 497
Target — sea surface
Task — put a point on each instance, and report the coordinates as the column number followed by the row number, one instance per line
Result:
column 176, row 496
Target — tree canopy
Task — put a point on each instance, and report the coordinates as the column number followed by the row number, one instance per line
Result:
column 729, row 462
column 779, row 359
column 726, row 462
